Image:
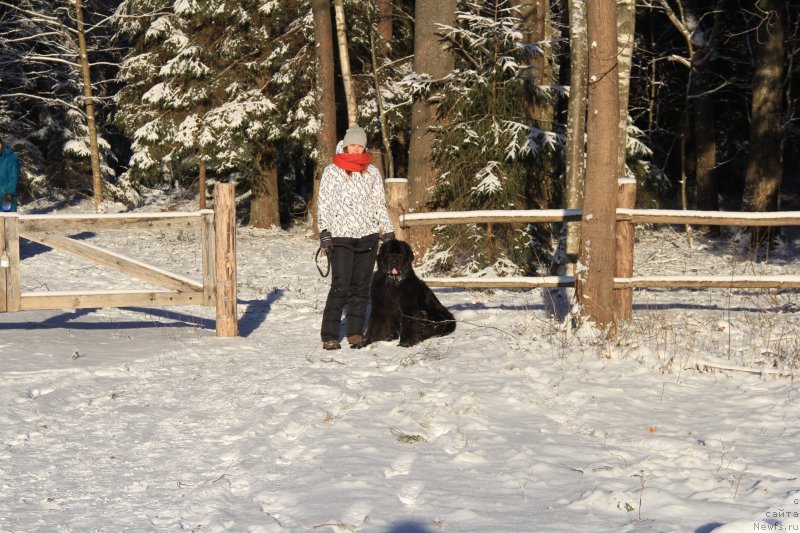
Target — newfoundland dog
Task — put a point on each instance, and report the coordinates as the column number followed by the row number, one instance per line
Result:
column 402, row 305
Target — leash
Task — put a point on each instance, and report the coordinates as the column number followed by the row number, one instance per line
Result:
column 316, row 262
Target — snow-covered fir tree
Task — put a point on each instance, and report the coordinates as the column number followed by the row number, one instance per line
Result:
column 211, row 82
column 485, row 145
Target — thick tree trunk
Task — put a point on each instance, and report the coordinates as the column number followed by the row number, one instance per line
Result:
column 765, row 164
column 704, row 131
column 595, row 273
column 431, row 58
column 97, row 177
column 576, row 125
column 705, row 137
column 326, row 103
column 264, row 206
column 535, row 16
column 385, row 14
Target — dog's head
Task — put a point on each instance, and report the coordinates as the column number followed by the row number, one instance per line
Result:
column 395, row 259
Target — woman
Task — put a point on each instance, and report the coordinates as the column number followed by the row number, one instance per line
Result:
column 9, row 177
column 351, row 213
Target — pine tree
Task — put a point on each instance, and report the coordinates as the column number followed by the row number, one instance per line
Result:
column 485, row 145
column 202, row 87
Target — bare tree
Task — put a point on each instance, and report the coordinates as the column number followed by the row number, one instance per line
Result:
column 576, row 125
column 88, row 102
column 344, row 60
column 698, row 121
column 595, row 272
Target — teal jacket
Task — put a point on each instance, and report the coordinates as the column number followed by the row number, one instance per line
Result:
column 9, row 174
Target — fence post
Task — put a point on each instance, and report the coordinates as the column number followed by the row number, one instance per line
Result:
column 9, row 271
column 225, row 238
column 397, row 203
column 624, row 234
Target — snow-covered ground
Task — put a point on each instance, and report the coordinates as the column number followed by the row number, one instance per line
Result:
column 140, row 419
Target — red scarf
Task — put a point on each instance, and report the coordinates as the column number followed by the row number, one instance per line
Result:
column 352, row 162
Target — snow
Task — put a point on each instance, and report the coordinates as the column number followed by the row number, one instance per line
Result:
column 140, row 419
column 498, row 213
column 776, row 215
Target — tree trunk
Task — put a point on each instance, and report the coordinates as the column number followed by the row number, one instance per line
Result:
column 576, row 125
column 264, row 207
column 626, row 189
column 326, row 103
column 535, row 15
column 385, row 14
column 344, row 60
column 765, row 163
column 433, row 59
column 626, row 34
column 704, row 133
column 595, row 276
column 97, row 177
column 705, row 137
column 201, row 186
column 387, row 163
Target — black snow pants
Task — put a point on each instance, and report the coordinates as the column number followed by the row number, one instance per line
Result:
column 351, row 272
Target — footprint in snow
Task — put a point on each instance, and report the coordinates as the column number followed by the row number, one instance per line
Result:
column 400, row 466
column 409, row 493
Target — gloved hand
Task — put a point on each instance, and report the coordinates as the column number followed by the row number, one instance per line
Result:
column 326, row 242
column 387, row 236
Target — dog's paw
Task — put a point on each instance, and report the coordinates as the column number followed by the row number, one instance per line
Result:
column 392, row 337
column 366, row 341
column 406, row 343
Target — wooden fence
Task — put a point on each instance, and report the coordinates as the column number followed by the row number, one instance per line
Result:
column 625, row 217
column 218, row 252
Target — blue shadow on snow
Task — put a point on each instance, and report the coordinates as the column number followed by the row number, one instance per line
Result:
column 254, row 315
column 409, row 527
column 708, row 528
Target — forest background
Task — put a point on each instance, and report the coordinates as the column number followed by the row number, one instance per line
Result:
column 469, row 100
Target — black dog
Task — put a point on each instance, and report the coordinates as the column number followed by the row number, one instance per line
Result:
column 402, row 305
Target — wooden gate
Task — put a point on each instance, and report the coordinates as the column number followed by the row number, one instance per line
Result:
column 218, row 252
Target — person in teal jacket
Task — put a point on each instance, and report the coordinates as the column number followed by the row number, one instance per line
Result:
column 9, row 177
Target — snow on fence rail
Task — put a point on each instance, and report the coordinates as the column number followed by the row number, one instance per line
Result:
column 634, row 216
column 218, row 252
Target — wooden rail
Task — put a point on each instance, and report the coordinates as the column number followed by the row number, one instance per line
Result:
column 636, row 216
column 218, row 256
column 632, row 216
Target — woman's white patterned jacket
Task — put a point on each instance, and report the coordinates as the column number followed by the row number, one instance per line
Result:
column 352, row 206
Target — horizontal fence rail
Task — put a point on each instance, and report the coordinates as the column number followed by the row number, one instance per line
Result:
column 111, row 222
column 708, row 218
column 634, row 216
column 498, row 283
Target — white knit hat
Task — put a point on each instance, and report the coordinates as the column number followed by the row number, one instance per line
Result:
column 355, row 135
